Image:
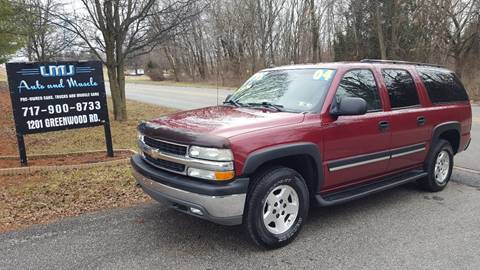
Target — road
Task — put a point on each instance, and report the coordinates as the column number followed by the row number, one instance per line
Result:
column 183, row 98
column 471, row 158
column 403, row 228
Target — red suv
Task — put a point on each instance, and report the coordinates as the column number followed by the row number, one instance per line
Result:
column 296, row 136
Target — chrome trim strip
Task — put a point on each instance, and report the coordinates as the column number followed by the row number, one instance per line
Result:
column 358, row 163
column 185, row 160
column 143, row 136
column 408, row 152
column 389, row 154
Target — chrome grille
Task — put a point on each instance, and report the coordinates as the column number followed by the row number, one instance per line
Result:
column 166, row 147
column 172, row 166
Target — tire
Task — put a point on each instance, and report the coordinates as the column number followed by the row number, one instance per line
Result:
column 275, row 195
column 439, row 167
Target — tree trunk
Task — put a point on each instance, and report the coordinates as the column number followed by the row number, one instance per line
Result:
column 117, row 89
column 173, row 63
column 381, row 40
column 395, row 46
column 314, row 31
column 458, row 64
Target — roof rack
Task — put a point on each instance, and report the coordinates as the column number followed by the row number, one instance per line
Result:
column 399, row 62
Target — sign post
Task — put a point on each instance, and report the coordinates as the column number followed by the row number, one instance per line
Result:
column 57, row 96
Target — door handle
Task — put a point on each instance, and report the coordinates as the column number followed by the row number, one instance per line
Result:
column 421, row 121
column 383, row 125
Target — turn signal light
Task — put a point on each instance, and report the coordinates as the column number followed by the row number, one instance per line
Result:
column 223, row 176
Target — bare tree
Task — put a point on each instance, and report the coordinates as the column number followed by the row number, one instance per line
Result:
column 117, row 29
column 463, row 33
column 45, row 40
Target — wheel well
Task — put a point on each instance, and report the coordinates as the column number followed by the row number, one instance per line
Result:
column 453, row 137
column 303, row 164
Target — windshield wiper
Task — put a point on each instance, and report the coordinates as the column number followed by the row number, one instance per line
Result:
column 265, row 104
column 233, row 102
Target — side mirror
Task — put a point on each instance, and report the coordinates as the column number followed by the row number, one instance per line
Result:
column 348, row 106
column 228, row 97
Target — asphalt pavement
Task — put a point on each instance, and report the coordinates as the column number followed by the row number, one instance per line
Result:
column 403, row 228
column 470, row 159
column 183, row 98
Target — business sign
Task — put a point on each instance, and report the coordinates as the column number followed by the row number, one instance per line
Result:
column 57, row 96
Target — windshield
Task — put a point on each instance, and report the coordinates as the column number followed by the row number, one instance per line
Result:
column 298, row 90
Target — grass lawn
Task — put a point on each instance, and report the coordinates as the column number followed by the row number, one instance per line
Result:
column 47, row 196
column 146, row 80
column 3, row 74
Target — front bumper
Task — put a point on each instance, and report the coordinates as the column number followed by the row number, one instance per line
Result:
column 220, row 203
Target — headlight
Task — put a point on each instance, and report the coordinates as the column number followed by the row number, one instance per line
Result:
column 215, row 154
column 139, row 136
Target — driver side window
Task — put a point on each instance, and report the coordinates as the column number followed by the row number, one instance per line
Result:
column 360, row 83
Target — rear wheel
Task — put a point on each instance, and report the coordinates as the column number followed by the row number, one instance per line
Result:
column 277, row 207
column 439, row 167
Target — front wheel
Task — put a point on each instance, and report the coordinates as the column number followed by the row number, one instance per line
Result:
column 439, row 167
column 277, row 207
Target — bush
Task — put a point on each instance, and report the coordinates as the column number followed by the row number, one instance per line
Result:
column 156, row 74
column 154, row 71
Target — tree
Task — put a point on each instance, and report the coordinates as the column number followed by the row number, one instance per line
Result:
column 463, row 33
column 45, row 41
column 10, row 41
column 117, row 29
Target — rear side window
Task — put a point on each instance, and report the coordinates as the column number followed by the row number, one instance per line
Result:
column 401, row 88
column 442, row 86
column 360, row 83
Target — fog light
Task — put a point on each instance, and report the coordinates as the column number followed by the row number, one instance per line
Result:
column 211, row 175
column 196, row 211
column 194, row 172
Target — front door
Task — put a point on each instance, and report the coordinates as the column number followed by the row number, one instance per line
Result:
column 356, row 147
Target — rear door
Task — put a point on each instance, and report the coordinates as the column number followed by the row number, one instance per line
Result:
column 355, row 147
column 410, row 125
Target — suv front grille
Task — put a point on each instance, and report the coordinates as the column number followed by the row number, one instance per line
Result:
column 166, row 147
column 165, row 164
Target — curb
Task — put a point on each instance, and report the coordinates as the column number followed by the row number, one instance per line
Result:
column 67, row 154
column 33, row 169
column 466, row 170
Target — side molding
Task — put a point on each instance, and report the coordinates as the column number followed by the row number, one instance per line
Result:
column 260, row 157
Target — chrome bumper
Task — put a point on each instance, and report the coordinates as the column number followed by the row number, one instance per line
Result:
column 226, row 210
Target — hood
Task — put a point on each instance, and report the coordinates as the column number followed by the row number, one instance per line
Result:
column 212, row 123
